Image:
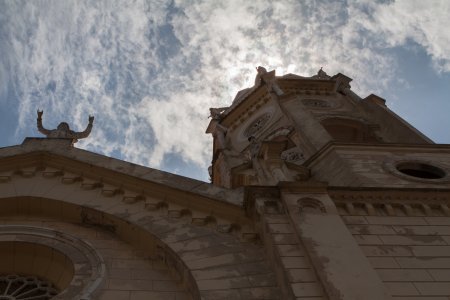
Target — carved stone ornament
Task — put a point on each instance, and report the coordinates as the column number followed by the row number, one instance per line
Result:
column 63, row 130
column 216, row 113
column 292, row 155
column 257, row 125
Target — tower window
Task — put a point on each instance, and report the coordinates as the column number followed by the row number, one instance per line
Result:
column 421, row 170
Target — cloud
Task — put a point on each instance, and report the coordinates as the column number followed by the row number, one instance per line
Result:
column 422, row 22
column 148, row 71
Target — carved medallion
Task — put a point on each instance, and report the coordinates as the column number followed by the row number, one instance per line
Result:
column 257, row 125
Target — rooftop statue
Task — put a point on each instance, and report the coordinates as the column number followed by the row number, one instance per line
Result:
column 63, row 130
column 260, row 71
column 262, row 76
column 321, row 74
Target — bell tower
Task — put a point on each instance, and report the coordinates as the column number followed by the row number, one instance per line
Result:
column 271, row 129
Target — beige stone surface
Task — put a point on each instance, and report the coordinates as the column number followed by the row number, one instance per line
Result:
column 410, row 254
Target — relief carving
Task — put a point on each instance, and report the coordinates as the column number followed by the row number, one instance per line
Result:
column 259, row 123
column 292, row 155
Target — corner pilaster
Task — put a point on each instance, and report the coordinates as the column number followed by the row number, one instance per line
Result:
column 343, row 269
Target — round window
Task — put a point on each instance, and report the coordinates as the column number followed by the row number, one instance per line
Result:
column 32, row 271
column 41, row 264
column 421, row 170
column 18, row 287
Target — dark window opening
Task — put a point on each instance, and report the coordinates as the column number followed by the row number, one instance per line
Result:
column 421, row 170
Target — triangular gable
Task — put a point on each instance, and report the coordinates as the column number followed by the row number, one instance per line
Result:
column 57, row 159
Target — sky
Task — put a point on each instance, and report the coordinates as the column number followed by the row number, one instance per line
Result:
column 149, row 70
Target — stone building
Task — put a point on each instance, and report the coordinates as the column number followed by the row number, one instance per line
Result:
column 316, row 194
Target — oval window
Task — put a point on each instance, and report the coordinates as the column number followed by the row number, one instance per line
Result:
column 421, row 170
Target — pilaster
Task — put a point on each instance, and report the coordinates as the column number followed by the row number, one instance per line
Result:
column 338, row 261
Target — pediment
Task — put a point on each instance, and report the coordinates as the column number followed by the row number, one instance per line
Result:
column 143, row 188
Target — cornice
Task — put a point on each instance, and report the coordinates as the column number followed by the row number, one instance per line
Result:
column 91, row 167
column 439, row 148
column 403, row 202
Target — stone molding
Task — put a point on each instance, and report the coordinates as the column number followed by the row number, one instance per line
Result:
column 158, row 200
column 392, row 203
column 417, row 148
column 36, row 151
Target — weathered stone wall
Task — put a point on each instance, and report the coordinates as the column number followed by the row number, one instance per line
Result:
column 406, row 240
column 290, row 259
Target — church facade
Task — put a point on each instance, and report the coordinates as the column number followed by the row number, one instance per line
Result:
column 315, row 193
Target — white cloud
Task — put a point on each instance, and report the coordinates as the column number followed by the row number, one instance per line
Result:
column 424, row 22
